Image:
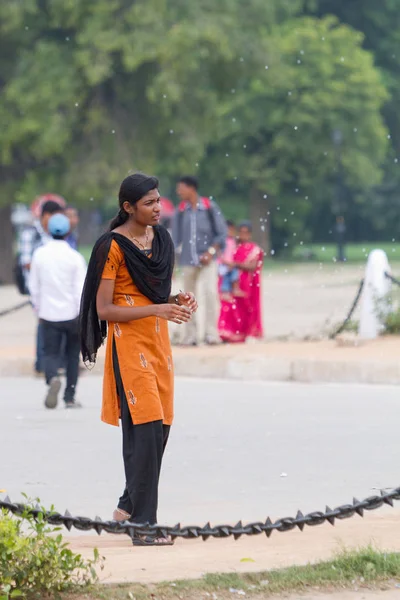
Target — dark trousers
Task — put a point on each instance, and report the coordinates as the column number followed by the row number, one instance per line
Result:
column 39, row 363
column 55, row 333
column 143, row 448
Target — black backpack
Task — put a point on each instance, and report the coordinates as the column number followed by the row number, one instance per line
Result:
column 19, row 275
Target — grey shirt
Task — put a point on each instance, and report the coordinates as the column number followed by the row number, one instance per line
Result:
column 195, row 230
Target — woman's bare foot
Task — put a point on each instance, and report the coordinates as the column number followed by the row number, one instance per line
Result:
column 120, row 515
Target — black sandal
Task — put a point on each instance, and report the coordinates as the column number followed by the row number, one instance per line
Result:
column 152, row 541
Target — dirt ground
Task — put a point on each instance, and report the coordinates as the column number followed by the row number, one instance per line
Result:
column 191, row 559
column 348, row 595
column 362, row 594
column 356, row 594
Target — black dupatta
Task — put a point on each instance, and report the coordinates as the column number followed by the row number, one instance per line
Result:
column 151, row 275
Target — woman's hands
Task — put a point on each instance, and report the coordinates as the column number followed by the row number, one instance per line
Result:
column 180, row 308
column 188, row 299
column 173, row 312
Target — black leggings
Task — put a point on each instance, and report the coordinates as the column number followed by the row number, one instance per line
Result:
column 142, row 448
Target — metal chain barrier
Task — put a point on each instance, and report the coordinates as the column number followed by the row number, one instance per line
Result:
column 351, row 311
column 392, row 279
column 8, row 311
column 344, row 511
column 355, row 303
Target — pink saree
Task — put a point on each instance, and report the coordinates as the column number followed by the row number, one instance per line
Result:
column 241, row 318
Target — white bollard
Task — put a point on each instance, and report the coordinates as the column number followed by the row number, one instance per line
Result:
column 377, row 286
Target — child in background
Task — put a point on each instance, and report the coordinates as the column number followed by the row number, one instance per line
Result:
column 228, row 277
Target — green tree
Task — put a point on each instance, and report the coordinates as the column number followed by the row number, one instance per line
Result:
column 93, row 89
column 379, row 22
column 275, row 133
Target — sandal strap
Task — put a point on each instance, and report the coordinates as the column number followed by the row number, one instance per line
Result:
column 152, row 541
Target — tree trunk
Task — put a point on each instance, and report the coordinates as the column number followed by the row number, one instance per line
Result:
column 89, row 228
column 261, row 220
column 6, row 246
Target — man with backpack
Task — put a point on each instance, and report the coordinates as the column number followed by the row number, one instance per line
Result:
column 199, row 230
column 32, row 238
column 56, row 280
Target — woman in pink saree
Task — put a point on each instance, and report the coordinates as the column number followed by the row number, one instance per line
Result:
column 240, row 316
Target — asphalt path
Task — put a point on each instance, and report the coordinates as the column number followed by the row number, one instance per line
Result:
column 238, row 450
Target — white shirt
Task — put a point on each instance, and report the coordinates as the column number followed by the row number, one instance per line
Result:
column 56, row 281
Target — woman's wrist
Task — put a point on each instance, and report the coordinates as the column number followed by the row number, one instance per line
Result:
column 174, row 299
column 156, row 310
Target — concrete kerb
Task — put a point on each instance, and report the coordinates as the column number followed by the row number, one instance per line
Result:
column 253, row 367
column 246, row 365
column 16, row 366
column 310, row 371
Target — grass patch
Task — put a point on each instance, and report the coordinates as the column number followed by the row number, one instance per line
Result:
column 355, row 253
column 366, row 567
column 321, row 253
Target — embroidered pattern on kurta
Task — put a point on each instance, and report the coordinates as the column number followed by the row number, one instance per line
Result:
column 131, row 397
column 129, row 300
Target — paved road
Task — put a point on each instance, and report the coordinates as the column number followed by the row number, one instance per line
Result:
column 230, row 446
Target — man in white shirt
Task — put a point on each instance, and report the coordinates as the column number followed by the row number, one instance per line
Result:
column 56, row 281
column 30, row 239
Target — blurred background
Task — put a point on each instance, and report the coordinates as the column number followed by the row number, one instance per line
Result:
column 286, row 110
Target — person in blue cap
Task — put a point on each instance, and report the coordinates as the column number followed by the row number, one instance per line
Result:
column 56, row 281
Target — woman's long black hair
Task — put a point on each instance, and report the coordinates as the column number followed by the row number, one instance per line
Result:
column 132, row 189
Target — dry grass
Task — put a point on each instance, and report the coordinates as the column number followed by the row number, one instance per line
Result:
column 366, row 567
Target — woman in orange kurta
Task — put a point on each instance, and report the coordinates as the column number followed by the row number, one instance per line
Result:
column 129, row 286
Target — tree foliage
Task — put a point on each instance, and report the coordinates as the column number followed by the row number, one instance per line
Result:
column 375, row 214
column 276, row 133
column 246, row 94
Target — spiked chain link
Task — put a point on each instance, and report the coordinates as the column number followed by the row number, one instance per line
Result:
column 312, row 519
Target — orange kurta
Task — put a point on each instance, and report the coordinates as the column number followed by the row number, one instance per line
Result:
column 144, row 355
